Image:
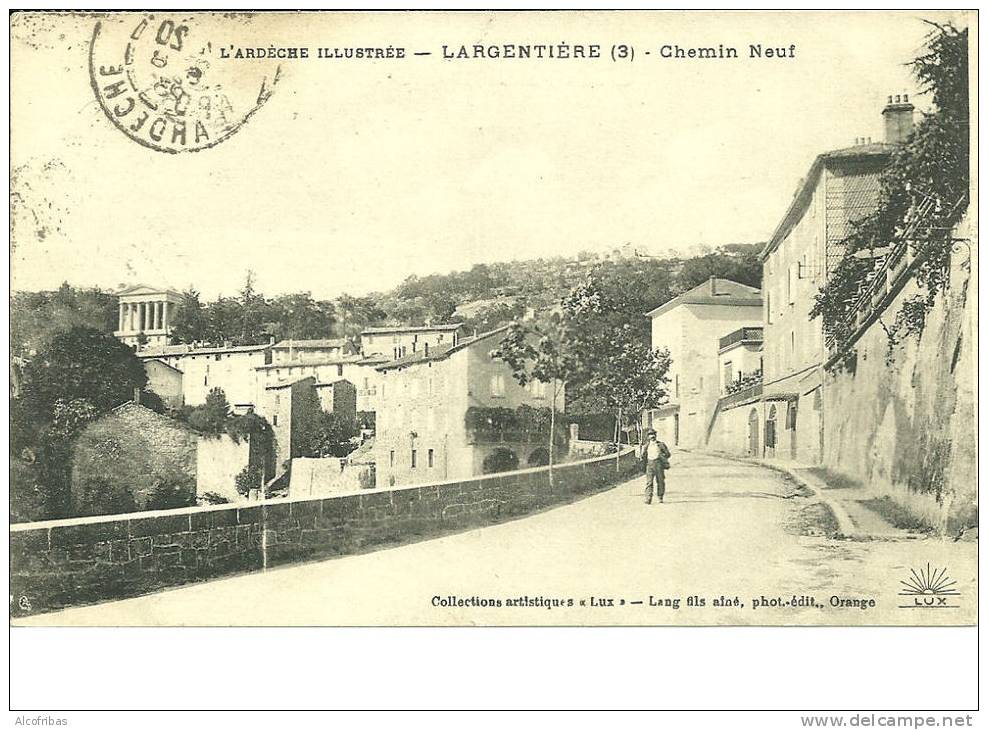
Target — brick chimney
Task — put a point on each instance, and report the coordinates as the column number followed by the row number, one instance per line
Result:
column 898, row 116
column 713, row 286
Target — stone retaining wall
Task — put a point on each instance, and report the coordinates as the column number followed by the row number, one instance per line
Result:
column 64, row 563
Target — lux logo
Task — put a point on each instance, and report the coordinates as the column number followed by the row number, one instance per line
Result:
column 931, row 588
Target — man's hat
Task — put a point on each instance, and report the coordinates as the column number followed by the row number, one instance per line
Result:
column 650, row 432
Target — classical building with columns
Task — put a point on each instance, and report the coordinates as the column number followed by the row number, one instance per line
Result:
column 148, row 311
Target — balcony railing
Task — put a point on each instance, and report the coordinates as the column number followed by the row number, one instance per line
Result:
column 745, row 334
column 751, row 392
column 888, row 273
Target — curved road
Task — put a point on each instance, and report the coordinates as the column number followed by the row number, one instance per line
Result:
column 727, row 530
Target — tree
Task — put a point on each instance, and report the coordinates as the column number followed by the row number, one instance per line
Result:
column 299, row 316
column 189, row 321
column 743, row 267
column 36, row 317
column 251, row 305
column 83, row 364
column 211, row 417
column 612, row 367
column 540, row 350
column 330, row 435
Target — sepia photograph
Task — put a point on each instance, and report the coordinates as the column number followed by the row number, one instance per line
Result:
column 493, row 319
column 274, row 325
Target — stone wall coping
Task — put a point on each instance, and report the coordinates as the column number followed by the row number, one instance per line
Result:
column 98, row 519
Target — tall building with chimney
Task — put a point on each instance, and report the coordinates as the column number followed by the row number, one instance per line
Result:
column 841, row 187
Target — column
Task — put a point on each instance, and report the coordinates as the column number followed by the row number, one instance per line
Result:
column 120, row 316
column 164, row 315
column 144, row 316
column 132, row 317
column 157, row 315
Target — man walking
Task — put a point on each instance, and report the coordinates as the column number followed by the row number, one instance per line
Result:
column 655, row 458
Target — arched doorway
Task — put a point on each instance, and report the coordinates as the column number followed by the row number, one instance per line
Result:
column 770, row 431
column 753, row 432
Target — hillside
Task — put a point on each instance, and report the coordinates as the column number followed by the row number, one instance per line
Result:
column 482, row 297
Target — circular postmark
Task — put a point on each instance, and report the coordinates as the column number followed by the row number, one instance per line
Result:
column 159, row 83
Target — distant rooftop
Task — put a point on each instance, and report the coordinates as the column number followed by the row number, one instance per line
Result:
column 422, row 328
column 351, row 359
column 287, row 382
column 440, row 352
column 311, row 344
column 724, row 292
column 173, row 350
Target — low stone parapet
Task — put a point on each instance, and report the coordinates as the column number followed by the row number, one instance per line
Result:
column 62, row 563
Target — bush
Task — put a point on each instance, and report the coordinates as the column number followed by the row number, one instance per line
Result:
column 171, row 493
column 249, row 478
column 539, row 457
column 210, row 418
column 500, row 460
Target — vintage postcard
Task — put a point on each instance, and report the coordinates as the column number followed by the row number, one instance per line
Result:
column 493, row 319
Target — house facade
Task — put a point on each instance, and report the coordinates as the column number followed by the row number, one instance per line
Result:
column 290, row 406
column 691, row 327
column 446, row 410
column 841, row 187
column 359, row 370
column 145, row 316
column 398, row 342
column 299, row 351
column 232, row 368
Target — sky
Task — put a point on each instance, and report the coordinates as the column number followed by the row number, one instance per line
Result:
column 358, row 173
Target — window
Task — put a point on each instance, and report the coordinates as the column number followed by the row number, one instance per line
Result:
column 217, row 356
column 274, row 420
column 497, row 385
column 432, row 458
column 414, row 458
column 728, row 373
column 392, row 459
column 205, row 380
column 339, row 371
column 677, row 385
column 366, row 384
column 768, row 307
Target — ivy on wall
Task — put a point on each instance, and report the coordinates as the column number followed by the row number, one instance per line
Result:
column 925, row 191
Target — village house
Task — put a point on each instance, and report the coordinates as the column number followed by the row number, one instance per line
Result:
column 691, row 327
column 290, row 351
column 359, row 370
column 446, row 409
column 232, row 368
column 339, row 398
column 841, row 187
column 397, row 342
column 290, row 406
column 145, row 316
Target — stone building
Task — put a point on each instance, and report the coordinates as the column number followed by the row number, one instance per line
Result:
column 338, row 397
column 165, row 381
column 145, row 315
column 841, row 187
column 358, row 369
column 299, row 351
column 437, row 413
column 398, row 342
column 691, row 327
column 133, row 459
column 290, row 406
column 232, row 368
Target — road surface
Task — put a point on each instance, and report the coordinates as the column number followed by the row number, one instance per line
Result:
column 729, row 533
